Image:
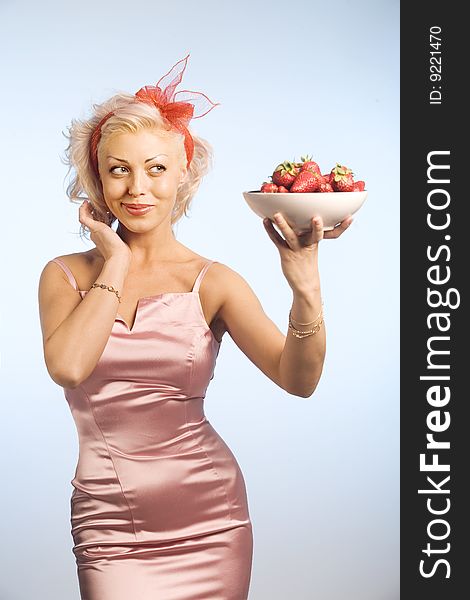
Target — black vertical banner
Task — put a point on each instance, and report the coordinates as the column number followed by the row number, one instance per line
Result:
column 434, row 331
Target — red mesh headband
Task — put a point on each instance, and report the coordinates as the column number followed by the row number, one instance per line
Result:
column 177, row 112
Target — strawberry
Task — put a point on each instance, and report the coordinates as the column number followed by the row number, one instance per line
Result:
column 325, row 187
column 327, row 177
column 308, row 163
column 285, row 173
column 282, row 190
column 359, row 186
column 269, row 188
column 342, row 180
column 306, row 181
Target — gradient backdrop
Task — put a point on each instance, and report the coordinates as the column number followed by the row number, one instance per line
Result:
column 314, row 77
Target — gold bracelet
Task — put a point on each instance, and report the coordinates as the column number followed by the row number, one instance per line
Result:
column 107, row 287
column 302, row 334
column 311, row 322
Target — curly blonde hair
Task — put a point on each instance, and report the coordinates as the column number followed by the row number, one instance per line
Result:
column 130, row 116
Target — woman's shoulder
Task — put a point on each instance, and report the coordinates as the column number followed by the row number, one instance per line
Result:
column 77, row 265
column 225, row 279
column 224, row 271
column 76, row 258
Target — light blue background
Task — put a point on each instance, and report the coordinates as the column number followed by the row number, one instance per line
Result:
column 322, row 78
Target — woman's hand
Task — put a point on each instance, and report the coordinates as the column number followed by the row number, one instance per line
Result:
column 299, row 252
column 103, row 236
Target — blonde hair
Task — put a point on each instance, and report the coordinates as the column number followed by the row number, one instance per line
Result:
column 130, row 116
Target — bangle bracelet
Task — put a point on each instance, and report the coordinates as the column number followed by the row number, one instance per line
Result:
column 107, row 287
column 302, row 334
column 299, row 333
column 304, row 324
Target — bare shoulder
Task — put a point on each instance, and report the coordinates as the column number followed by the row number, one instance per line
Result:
column 57, row 296
column 233, row 296
column 222, row 281
column 76, row 259
column 79, row 259
column 79, row 263
column 225, row 274
column 243, row 317
column 228, row 281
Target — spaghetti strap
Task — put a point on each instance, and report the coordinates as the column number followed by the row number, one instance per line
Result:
column 202, row 272
column 68, row 272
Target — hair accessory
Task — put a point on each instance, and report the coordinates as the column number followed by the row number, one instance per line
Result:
column 179, row 112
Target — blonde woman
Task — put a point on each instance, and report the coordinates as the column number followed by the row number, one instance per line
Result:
column 132, row 329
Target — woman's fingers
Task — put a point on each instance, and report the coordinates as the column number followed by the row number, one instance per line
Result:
column 316, row 233
column 289, row 234
column 273, row 234
column 84, row 210
column 339, row 229
column 294, row 241
column 85, row 215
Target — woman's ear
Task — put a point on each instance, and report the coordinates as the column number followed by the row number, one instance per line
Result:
column 184, row 174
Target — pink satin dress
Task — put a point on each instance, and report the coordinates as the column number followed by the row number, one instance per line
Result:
column 159, row 507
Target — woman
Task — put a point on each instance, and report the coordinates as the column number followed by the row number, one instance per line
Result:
column 132, row 329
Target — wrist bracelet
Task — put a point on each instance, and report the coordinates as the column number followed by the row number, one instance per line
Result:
column 304, row 324
column 107, row 287
column 302, row 334
column 310, row 323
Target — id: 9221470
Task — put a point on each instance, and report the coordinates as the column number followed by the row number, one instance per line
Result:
column 435, row 65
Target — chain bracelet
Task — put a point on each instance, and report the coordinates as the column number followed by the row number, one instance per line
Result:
column 302, row 334
column 316, row 326
column 311, row 322
column 106, row 287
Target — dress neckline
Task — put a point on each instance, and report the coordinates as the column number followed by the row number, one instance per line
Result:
column 193, row 292
column 156, row 297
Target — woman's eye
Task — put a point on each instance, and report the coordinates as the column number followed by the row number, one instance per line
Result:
column 160, row 168
column 113, row 168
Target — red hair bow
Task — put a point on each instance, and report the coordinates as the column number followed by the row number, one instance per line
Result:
column 178, row 112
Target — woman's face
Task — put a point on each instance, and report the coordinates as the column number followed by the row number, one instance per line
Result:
column 141, row 168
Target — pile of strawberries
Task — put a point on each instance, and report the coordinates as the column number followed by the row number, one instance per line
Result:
column 305, row 176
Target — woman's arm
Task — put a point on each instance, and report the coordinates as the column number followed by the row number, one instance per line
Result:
column 293, row 363
column 75, row 331
column 302, row 359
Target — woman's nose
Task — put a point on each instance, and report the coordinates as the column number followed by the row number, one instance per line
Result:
column 136, row 185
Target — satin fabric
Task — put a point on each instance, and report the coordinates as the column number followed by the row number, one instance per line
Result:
column 159, row 507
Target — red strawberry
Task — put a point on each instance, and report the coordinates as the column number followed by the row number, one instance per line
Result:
column 359, row 186
column 325, row 187
column 306, row 181
column 327, row 177
column 269, row 188
column 308, row 163
column 342, row 180
column 285, row 173
column 282, row 190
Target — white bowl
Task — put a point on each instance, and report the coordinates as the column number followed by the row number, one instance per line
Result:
column 299, row 209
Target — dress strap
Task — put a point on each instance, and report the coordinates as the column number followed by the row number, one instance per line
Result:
column 68, row 272
column 202, row 272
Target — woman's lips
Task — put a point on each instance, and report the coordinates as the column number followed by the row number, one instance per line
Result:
column 138, row 209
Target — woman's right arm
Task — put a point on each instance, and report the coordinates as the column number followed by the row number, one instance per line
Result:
column 75, row 331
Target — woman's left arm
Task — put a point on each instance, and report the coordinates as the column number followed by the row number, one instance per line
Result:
column 302, row 358
column 293, row 363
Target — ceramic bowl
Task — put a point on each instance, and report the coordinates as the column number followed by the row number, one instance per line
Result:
column 299, row 209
